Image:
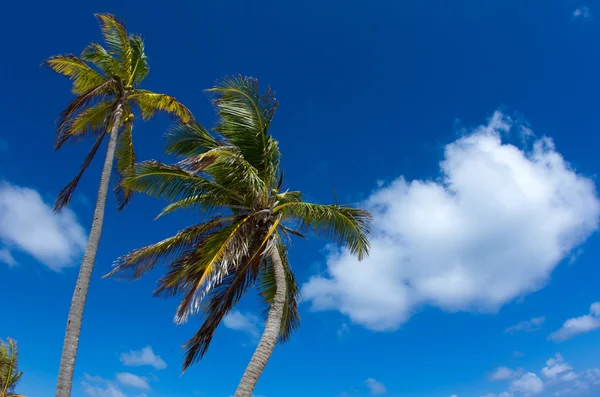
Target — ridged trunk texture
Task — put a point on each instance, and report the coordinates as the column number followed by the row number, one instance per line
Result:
column 71, row 342
column 270, row 334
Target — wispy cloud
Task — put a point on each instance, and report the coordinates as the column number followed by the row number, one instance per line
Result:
column 28, row 224
column 145, row 356
column 375, row 387
column 582, row 13
column 578, row 325
column 500, row 219
column 96, row 386
column 132, row 380
column 530, row 325
column 245, row 322
column 504, row 373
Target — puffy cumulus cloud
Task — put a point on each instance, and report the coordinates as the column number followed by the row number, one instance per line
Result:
column 132, row 380
column 375, row 387
column 578, row 325
column 28, row 224
column 145, row 356
column 504, row 373
column 560, row 380
column 556, row 366
column 530, row 325
column 491, row 228
column 528, row 384
column 245, row 322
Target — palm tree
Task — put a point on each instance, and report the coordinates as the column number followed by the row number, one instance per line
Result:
column 234, row 170
column 9, row 368
column 106, row 84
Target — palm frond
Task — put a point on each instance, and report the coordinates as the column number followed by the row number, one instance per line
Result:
column 125, row 165
column 343, row 224
column 89, row 122
column 216, row 256
column 139, row 65
column 64, row 197
column 136, row 263
column 83, row 76
column 228, row 167
column 245, row 118
column 151, row 102
column 173, row 183
column 267, row 288
column 116, row 39
column 190, row 140
column 77, row 105
column 97, row 55
column 221, row 299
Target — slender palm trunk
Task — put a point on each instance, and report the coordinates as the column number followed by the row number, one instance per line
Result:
column 270, row 334
column 71, row 342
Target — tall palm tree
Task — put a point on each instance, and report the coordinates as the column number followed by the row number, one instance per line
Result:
column 106, row 83
column 234, row 170
column 9, row 368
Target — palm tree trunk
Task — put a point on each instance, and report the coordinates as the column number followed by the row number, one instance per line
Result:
column 270, row 334
column 71, row 342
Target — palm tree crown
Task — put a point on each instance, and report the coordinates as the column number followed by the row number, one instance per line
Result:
column 234, row 175
column 9, row 368
column 107, row 79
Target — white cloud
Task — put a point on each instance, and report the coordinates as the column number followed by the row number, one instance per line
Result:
column 132, row 380
column 530, row 325
column 375, row 387
column 528, row 384
column 92, row 378
column 555, row 366
column 145, row 356
column 503, row 394
column 578, row 325
column 492, row 228
column 504, row 373
column 6, row 257
column 27, row 223
column 100, row 387
column 247, row 322
column 582, row 12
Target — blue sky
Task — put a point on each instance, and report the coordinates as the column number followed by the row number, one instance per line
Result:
column 468, row 128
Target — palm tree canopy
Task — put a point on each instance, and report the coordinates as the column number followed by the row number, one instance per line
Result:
column 233, row 174
column 9, row 368
column 104, row 79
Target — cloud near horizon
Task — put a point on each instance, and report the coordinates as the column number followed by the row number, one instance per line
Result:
column 490, row 229
column 28, row 224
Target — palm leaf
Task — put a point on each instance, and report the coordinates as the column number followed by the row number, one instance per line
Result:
column 343, row 224
column 97, row 55
column 267, row 288
column 125, row 165
column 116, row 39
column 77, row 105
column 139, row 65
column 133, row 265
column 64, row 197
column 174, row 183
column 88, row 122
column 150, row 102
column 245, row 117
column 190, row 140
column 84, row 77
